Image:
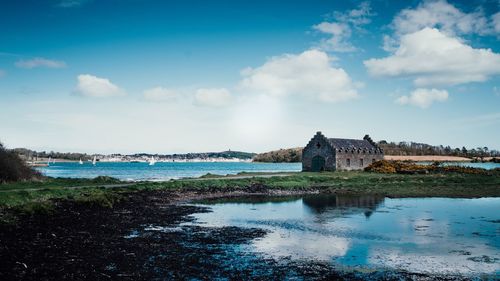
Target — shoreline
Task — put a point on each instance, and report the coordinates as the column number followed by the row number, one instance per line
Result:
column 94, row 225
column 95, row 242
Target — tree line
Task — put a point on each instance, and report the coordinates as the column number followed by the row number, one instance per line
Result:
column 417, row 149
column 390, row 148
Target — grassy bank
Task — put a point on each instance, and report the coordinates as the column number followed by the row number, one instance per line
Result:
column 105, row 191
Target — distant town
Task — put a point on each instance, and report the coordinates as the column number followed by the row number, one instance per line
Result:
column 32, row 156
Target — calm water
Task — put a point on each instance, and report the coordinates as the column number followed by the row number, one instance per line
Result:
column 161, row 170
column 169, row 170
column 428, row 235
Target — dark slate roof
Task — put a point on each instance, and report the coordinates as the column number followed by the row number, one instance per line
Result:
column 351, row 144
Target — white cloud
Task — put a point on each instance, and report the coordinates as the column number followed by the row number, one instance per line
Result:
column 309, row 73
column 435, row 58
column 339, row 37
column 215, row 97
column 496, row 22
column 443, row 15
column 423, row 98
column 340, row 29
column 92, row 86
column 40, row 62
column 159, row 94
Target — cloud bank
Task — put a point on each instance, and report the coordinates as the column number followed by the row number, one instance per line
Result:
column 434, row 58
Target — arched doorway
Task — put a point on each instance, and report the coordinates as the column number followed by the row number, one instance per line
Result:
column 318, row 163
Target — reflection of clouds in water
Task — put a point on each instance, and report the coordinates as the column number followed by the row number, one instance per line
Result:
column 442, row 260
column 282, row 243
column 454, row 236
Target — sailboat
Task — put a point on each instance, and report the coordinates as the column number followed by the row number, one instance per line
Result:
column 152, row 161
column 80, row 162
column 94, row 161
column 48, row 162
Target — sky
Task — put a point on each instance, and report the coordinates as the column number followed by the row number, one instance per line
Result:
column 110, row 76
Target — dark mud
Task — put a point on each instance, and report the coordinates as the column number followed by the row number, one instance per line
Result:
column 88, row 242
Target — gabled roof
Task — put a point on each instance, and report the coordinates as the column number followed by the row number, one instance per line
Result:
column 351, row 144
column 366, row 144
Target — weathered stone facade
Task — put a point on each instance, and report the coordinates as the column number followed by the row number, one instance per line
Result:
column 324, row 154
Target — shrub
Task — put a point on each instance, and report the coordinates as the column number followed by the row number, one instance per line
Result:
column 13, row 168
column 410, row 167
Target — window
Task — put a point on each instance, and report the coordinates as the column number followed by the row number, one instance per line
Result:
column 361, row 162
column 318, row 145
column 348, row 162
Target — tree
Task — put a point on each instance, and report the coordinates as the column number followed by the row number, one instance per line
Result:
column 13, row 168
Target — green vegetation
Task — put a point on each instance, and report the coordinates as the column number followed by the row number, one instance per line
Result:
column 13, row 168
column 31, row 154
column 21, row 193
column 289, row 155
column 414, row 148
column 38, row 196
column 410, row 167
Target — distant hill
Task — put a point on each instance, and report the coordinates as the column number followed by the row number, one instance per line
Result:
column 288, row 155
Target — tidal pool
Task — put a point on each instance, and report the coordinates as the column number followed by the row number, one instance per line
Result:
column 423, row 235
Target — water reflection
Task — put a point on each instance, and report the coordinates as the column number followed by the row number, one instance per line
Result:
column 454, row 235
column 353, row 204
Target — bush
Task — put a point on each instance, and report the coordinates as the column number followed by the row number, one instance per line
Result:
column 13, row 168
column 410, row 167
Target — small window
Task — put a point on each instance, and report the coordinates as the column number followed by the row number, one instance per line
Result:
column 318, row 145
column 361, row 162
column 348, row 162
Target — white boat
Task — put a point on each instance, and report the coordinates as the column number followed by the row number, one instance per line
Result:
column 94, row 161
column 48, row 162
column 80, row 162
column 152, row 161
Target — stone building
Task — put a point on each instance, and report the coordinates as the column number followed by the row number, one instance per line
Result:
column 324, row 154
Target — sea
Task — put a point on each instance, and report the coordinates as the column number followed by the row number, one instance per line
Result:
column 163, row 171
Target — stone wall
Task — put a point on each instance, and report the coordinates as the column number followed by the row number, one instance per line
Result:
column 318, row 145
column 355, row 159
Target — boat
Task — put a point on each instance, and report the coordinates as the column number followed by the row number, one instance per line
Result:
column 94, row 161
column 80, row 162
column 152, row 161
column 48, row 162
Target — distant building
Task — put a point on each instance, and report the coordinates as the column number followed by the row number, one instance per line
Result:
column 324, row 154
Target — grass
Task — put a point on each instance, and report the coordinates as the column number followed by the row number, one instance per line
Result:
column 393, row 185
column 30, row 197
column 21, row 193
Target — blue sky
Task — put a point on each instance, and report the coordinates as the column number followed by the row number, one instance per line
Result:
column 179, row 76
